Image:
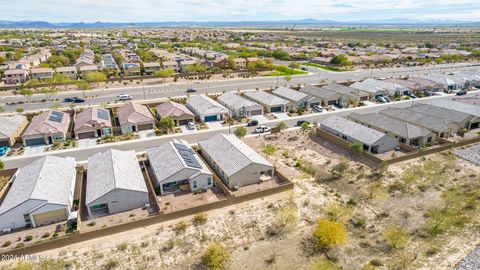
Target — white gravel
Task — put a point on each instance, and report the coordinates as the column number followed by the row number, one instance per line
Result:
column 471, row 154
column 471, row 262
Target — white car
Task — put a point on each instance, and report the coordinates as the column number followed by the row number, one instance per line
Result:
column 262, row 129
column 124, row 97
column 191, row 125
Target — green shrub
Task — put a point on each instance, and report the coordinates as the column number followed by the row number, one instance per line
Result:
column 216, row 257
column 200, row 219
column 28, row 238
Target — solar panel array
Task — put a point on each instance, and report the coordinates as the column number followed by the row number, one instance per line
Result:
column 56, row 117
column 187, row 155
column 103, row 114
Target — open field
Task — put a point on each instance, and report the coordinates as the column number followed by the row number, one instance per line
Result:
column 419, row 214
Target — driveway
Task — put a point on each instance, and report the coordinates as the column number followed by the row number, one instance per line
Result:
column 185, row 129
column 146, row 133
column 86, row 142
column 214, row 125
column 260, row 118
column 281, row 116
column 32, row 150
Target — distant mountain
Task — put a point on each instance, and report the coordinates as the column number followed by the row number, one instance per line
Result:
column 301, row 22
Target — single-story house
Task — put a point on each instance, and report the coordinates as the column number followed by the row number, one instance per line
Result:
column 459, row 107
column 300, row 99
column 41, row 73
column 404, row 132
column 372, row 140
column 235, row 162
column 151, row 68
column 240, row 106
column 92, row 123
column 440, row 126
column 46, row 128
column 10, row 128
column 41, row 193
column 115, row 183
column 425, row 85
column 70, row 72
column 349, row 92
column 15, row 76
column 135, row 117
column 461, row 119
column 181, row 114
column 326, row 96
column 371, row 86
column 206, row 109
column 442, row 80
column 270, row 103
column 176, row 167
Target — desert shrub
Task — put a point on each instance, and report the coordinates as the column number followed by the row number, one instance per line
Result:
column 181, row 227
column 341, row 168
column 216, row 257
column 200, row 219
column 269, row 149
column 6, row 243
column 122, row 246
column 329, row 233
column 28, row 238
column 395, row 237
column 322, row 264
column 46, row 235
column 337, row 212
column 111, row 264
column 20, row 245
column 91, row 223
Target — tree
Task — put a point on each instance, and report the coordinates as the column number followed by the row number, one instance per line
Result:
column 240, row 132
column 395, row 237
column 341, row 60
column 356, row 147
column 49, row 92
column 304, row 126
column 27, row 93
column 292, row 66
column 164, row 73
column 287, row 79
column 282, row 125
column 329, row 234
column 96, row 77
column 167, row 123
column 216, row 257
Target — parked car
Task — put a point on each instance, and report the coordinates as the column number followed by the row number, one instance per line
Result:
column 387, row 99
column 191, row 90
column 3, row 150
column 461, row 93
column 191, row 125
column 317, row 108
column 412, row 95
column 262, row 129
column 381, row 99
column 429, row 93
column 300, row 122
column 252, row 123
column 124, row 97
column 74, row 100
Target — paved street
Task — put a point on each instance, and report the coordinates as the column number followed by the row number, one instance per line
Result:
column 178, row 89
column 139, row 145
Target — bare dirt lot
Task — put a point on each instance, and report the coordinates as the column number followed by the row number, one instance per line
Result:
column 419, row 214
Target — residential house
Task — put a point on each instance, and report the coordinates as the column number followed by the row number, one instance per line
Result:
column 459, row 107
column 240, row 63
column 151, row 68
column 300, row 99
column 371, row 86
column 92, row 123
column 84, row 70
column 170, row 65
column 440, row 79
column 181, row 114
column 15, row 76
column 108, row 62
column 177, row 167
column 41, row 193
column 372, row 140
column 46, row 128
column 135, row 117
column 270, row 103
column 115, row 183
column 460, row 119
column 10, row 129
column 41, row 73
column 206, row 109
column 404, row 132
column 235, row 162
column 425, row 85
column 239, row 106
column 131, row 69
column 70, row 72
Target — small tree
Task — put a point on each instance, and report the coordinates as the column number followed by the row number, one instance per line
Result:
column 292, row 66
column 27, row 93
column 167, row 123
column 164, row 73
column 282, row 125
column 356, row 147
column 240, row 132
column 96, row 77
column 287, row 79
column 329, row 234
column 304, row 126
column 216, row 257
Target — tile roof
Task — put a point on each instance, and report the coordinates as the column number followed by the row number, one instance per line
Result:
column 235, row 102
column 10, row 124
column 206, row 105
column 173, row 109
column 266, row 98
column 92, row 116
column 43, row 124
column 354, row 130
column 134, row 113
column 289, row 94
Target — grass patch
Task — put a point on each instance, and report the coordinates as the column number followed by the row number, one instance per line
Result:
column 269, row 149
column 286, row 71
column 327, row 68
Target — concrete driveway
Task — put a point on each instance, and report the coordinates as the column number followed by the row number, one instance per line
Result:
column 260, row 118
column 214, row 125
column 32, row 150
column 86, row 142
column 146, row 133
column 281, row 116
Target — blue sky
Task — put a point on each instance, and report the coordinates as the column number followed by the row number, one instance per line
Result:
column 235, row 10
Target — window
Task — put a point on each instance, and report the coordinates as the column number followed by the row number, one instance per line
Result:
column 209, row 181
column 194, row 184
column 99, row 206
column 105, row 131
column 57, row 137
column 26, row 217
column 429, row 139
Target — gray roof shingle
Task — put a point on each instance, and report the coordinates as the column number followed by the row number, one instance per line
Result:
column 354, row 130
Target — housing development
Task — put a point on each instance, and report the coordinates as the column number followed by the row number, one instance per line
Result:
column 257, row 144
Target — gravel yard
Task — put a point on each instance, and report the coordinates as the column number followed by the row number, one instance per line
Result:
column 471, row 153
column 471, row 262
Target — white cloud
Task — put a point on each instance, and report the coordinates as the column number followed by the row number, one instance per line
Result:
column 215, row 10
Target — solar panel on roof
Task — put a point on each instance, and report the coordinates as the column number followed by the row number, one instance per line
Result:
column 56, row 117
column 187, row 155
column 102, row 114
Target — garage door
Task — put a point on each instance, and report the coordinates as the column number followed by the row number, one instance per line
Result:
column 37, row 141
column 4, row 143
column 332, row 102
column 314, row 104
column 256, row 112
column 145, row 127
column 50, row 217
column 184, row 122
column 475, row 125
column 364, row 98
column 211, row 118
column 276, row 109
column 86, row 135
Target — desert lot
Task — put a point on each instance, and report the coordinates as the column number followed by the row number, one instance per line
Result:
column 419, row 214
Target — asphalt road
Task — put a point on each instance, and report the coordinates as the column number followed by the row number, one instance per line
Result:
column 148, row 92
column 82, row 154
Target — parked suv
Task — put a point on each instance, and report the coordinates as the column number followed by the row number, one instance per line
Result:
column 262, row 129
column 252, row 123
column 124, row 97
